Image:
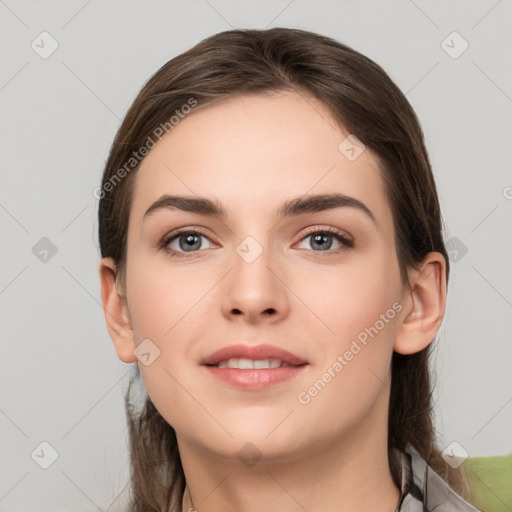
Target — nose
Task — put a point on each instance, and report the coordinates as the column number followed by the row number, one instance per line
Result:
column 255, row 291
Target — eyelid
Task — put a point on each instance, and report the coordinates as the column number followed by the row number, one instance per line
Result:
column 327, row 229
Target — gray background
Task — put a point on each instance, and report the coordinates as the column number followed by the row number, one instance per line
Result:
column 61, row 380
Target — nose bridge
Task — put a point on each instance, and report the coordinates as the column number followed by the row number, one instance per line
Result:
column 253, row 288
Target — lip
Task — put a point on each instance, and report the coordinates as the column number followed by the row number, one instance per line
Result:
column 255, row 379
column 252, row 352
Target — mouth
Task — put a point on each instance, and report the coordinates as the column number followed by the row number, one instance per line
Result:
column 253, row 367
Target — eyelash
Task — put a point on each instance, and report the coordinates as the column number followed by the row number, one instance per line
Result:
column 344, row 240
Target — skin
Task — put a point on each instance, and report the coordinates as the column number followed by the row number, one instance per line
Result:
column 327, row 455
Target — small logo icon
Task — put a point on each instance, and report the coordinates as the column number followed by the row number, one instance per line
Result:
column 44, row 45
column 351, row 147
column 456, row 249
column 44, row 455
column 147, row 352
column 44, row 250
column 454, row 45
column 454, row 454
column 249, row 249
column 249, row 455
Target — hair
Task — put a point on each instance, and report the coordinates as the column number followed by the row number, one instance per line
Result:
column 363, row 99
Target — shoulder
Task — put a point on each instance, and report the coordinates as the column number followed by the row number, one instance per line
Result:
column 424, row 491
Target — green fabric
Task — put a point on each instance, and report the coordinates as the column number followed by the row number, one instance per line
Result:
column 491, row 482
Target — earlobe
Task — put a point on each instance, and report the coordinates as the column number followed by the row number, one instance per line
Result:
column 116, row 313
column 424, row 305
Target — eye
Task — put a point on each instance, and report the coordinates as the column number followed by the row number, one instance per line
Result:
column 190, row 240
column 322, row 239
column 184, row 241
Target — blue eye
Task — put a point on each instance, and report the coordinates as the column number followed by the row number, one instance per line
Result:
column 323, row 240
column 187, row 241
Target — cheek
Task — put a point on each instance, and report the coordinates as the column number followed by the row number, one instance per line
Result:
column 163, row 297
column 353, row 367
column 168, row 305
column 344, row 300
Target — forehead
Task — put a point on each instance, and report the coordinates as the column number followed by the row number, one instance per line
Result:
column 253, row 152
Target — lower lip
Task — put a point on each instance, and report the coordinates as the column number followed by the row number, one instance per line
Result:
column 255, row 380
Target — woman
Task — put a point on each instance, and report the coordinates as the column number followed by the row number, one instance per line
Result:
column 272, row 257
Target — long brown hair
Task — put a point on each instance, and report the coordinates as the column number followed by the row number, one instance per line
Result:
column 362, row 98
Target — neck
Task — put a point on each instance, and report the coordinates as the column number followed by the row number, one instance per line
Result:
column 347, row 476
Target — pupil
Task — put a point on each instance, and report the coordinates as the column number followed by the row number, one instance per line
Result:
column 320, row 239
column 189, row 241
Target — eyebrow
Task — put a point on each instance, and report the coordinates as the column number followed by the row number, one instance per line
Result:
column 292, row 207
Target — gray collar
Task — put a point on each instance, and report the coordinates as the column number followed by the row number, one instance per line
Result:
column 422, row 490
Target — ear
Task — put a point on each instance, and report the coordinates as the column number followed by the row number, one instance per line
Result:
column 424, row 305
column 116, row 312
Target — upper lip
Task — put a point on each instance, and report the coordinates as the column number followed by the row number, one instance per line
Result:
column 255, row 352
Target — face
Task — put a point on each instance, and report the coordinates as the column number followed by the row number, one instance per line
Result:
column 322, row 284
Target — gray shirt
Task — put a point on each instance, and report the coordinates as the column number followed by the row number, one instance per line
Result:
column 422, row 490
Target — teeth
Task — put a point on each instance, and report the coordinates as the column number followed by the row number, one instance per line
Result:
column 261, row 363
column 250, row 364
column 245, row 364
